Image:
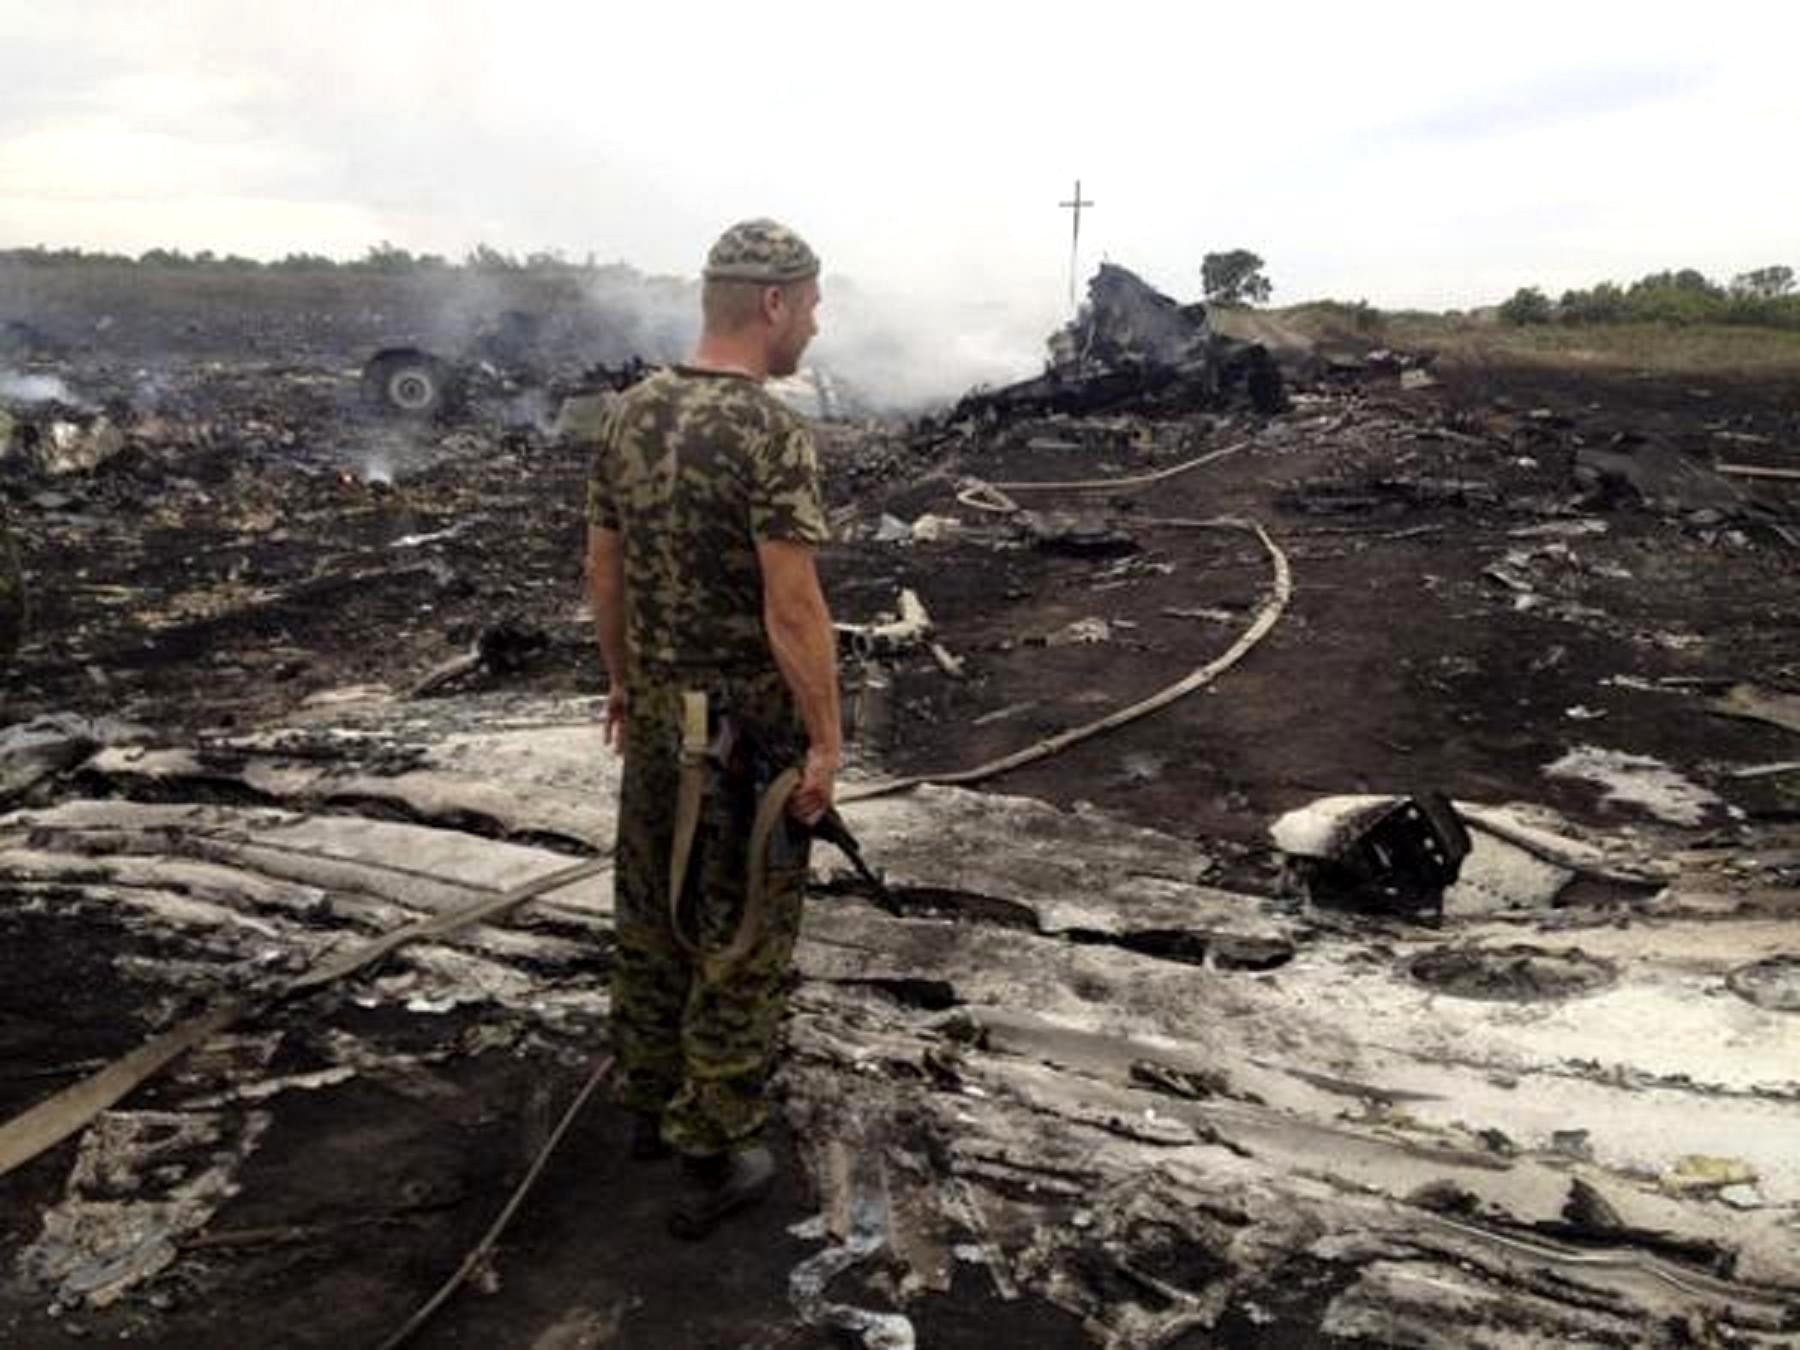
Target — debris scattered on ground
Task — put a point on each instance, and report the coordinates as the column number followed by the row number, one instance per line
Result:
column 34, row 752
column 1082, row 632
column 1773, row 983
column 1077, row 1086
column 890, row 635
column 1776, row 707
column 501, row 649
column 1700, row 1172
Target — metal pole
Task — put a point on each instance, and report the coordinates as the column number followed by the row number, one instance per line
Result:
column 1075, row 245
column 1075, row 204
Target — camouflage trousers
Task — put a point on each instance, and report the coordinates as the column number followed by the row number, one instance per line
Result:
column 695, row 1039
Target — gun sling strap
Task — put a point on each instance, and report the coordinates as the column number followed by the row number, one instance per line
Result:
column 771, row 812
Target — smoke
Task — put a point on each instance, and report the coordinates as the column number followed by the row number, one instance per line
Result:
column 655, row 318
column 533, row 408
column 887, row 350
column 908, row 354
column 382, row 458
column 36, row 389
column 374, row 465
column 150, row 389
column 889, row 353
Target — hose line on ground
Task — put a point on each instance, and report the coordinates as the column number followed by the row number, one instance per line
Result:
column 482, row 1252
column 1266, row 618
column 1134, row 480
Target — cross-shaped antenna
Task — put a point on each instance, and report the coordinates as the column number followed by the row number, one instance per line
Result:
column 1074, row 204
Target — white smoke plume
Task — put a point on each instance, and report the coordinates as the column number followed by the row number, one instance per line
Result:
column 905, row 355
column 898, row 354
column 21, row 388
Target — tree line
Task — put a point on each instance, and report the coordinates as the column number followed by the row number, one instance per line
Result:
column 383, row 258
column 1763, row 298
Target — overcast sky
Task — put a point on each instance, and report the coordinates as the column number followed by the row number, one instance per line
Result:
column 1435, row 154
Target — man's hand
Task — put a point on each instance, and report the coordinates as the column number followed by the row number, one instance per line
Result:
column 606, row 596
column 618, row 706
column 805, row 649
column 818, row 786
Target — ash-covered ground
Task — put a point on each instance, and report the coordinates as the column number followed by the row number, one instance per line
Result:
column 298, row 672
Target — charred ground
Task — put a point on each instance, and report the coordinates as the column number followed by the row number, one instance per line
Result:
column 263, row 537
column 1492, row 568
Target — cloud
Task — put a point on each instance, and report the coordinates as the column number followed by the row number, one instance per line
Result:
column 1549, row 101
column 1414, row 154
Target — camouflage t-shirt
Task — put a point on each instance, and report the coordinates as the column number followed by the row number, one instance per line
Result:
column 693, row 468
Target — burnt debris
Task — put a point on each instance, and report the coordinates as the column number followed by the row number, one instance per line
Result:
column 1396, row 857
column 1131, row 345
column 1092, row 1064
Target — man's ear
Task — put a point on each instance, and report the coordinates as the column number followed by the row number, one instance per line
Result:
column 774, row 299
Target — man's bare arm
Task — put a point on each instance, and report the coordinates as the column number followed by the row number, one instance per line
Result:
column 805, row 647
column 606, row 598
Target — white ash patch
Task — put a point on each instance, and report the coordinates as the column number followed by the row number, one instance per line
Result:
column 1640, row 781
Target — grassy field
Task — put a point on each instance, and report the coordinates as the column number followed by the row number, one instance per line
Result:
column 1480, row 338
column 1703, row 350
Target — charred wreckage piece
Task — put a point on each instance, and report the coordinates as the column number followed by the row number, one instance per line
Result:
column 1131, row 344
column 407, row 380
column 411, row 382
column 1393, row 856
column 507, row 353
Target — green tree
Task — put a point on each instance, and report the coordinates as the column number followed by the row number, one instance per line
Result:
column 303, row 262
column 1688, row 280
column 487, row 258
column 1605, row 303
column 1677, row 297
column 1528, row 305
column 1765, row 283
column 386, row 257
column 1235, row 278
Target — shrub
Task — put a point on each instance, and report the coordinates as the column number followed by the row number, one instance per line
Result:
column 1347, row 316
column 1671, row 302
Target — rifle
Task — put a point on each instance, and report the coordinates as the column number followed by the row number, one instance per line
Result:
column 744, row 750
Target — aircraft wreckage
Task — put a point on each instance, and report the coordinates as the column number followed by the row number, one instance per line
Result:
column 307, row 927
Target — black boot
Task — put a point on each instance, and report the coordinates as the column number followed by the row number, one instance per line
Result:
column 717, row 1185
column 646, row 1137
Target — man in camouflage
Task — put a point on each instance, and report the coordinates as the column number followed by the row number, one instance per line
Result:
column 704, row 513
